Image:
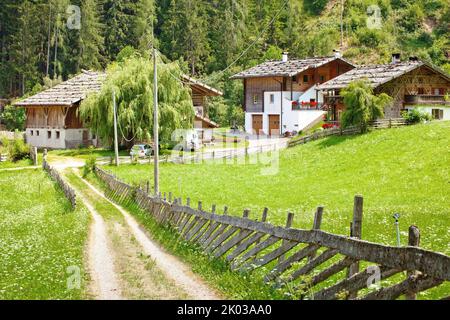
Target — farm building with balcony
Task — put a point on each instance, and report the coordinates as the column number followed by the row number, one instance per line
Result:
column 281, row 97
column 412, row 84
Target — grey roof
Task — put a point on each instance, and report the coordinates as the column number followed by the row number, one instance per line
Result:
column 68, row 92
column 289, row 68
column 377, row 74
column 208, row 90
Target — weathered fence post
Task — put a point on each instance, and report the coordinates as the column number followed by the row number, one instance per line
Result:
column 200, row 206
column 289, row 220
column 413, row 241
column 318, row 218
column 35, row 156
column 148, row 187
column 44, row 157
column 316, row 226
column 213, row 209
column 356, row 232
column 188, row 201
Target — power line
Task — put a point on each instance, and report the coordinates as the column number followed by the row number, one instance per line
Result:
column 252, row 43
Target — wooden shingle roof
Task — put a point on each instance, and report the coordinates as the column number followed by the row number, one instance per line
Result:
column 202, row 87
column 68, row 92
column 377, row 74
column 289, row 68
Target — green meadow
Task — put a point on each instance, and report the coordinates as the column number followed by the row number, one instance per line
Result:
column 42, row 239
column 404, row 170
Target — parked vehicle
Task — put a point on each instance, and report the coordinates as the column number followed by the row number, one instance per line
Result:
column 141, row 151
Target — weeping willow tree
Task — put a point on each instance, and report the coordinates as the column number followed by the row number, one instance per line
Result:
column 362, row 105
column 131, row 82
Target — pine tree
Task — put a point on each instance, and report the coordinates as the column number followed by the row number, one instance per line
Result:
column 116, row 19
column 90, row 39
column 185, row 33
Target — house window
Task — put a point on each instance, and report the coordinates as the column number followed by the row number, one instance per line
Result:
column 31, row 132
column 255, row 99
column 322, row 79
column 438, row 114
column 420, row 91
column 37, row 133
column 294, row 79
column 49, row 134
column 272, row 98
column 58, row 135
column 305, row 78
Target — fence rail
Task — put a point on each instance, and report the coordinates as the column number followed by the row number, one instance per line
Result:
column 377, row 124
column 299, row 257
column 68, row 191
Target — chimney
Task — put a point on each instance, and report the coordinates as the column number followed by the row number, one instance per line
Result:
column 285, row 57
column 395, row 58
column 337, row 53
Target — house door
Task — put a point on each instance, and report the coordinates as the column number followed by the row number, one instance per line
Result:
column 257, row 123
column 274, row 124
column 85, row 137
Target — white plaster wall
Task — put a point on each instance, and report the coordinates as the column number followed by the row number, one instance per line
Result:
column 292, row 120
column 42, row 141
column 428, row 109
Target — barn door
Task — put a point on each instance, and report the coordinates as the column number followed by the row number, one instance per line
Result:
column 257, row 123
column 274, row 124
column 85, row 137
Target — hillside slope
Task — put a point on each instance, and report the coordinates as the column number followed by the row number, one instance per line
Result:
column 403, row 170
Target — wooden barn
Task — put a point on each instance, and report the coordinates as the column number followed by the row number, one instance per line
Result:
column 52, row 117
column 200, row 94
column 412, row 84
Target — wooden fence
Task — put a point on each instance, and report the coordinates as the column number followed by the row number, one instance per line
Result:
column 68, row 191
column 377, row 124
column 328, row 265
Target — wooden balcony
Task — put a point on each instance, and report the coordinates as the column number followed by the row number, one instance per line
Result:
column 307, row 106
column 425, row 99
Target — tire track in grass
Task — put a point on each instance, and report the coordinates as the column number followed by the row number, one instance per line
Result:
column 170, row 266
column 104, row 284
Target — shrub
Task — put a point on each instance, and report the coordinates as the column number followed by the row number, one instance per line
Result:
column 415, row 116
column 17, row 149
column 89, row 166
column 13, row 118
column 362, row 105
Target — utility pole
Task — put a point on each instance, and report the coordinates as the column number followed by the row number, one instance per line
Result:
column 342, row 24
column 116, row 142
column 155, row 124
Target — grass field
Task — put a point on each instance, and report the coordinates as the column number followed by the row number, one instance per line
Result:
column 40, row 238
column 403, row 170
column 231, row 285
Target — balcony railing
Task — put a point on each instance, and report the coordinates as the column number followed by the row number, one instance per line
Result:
column 306, row 106
column 425, row 98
